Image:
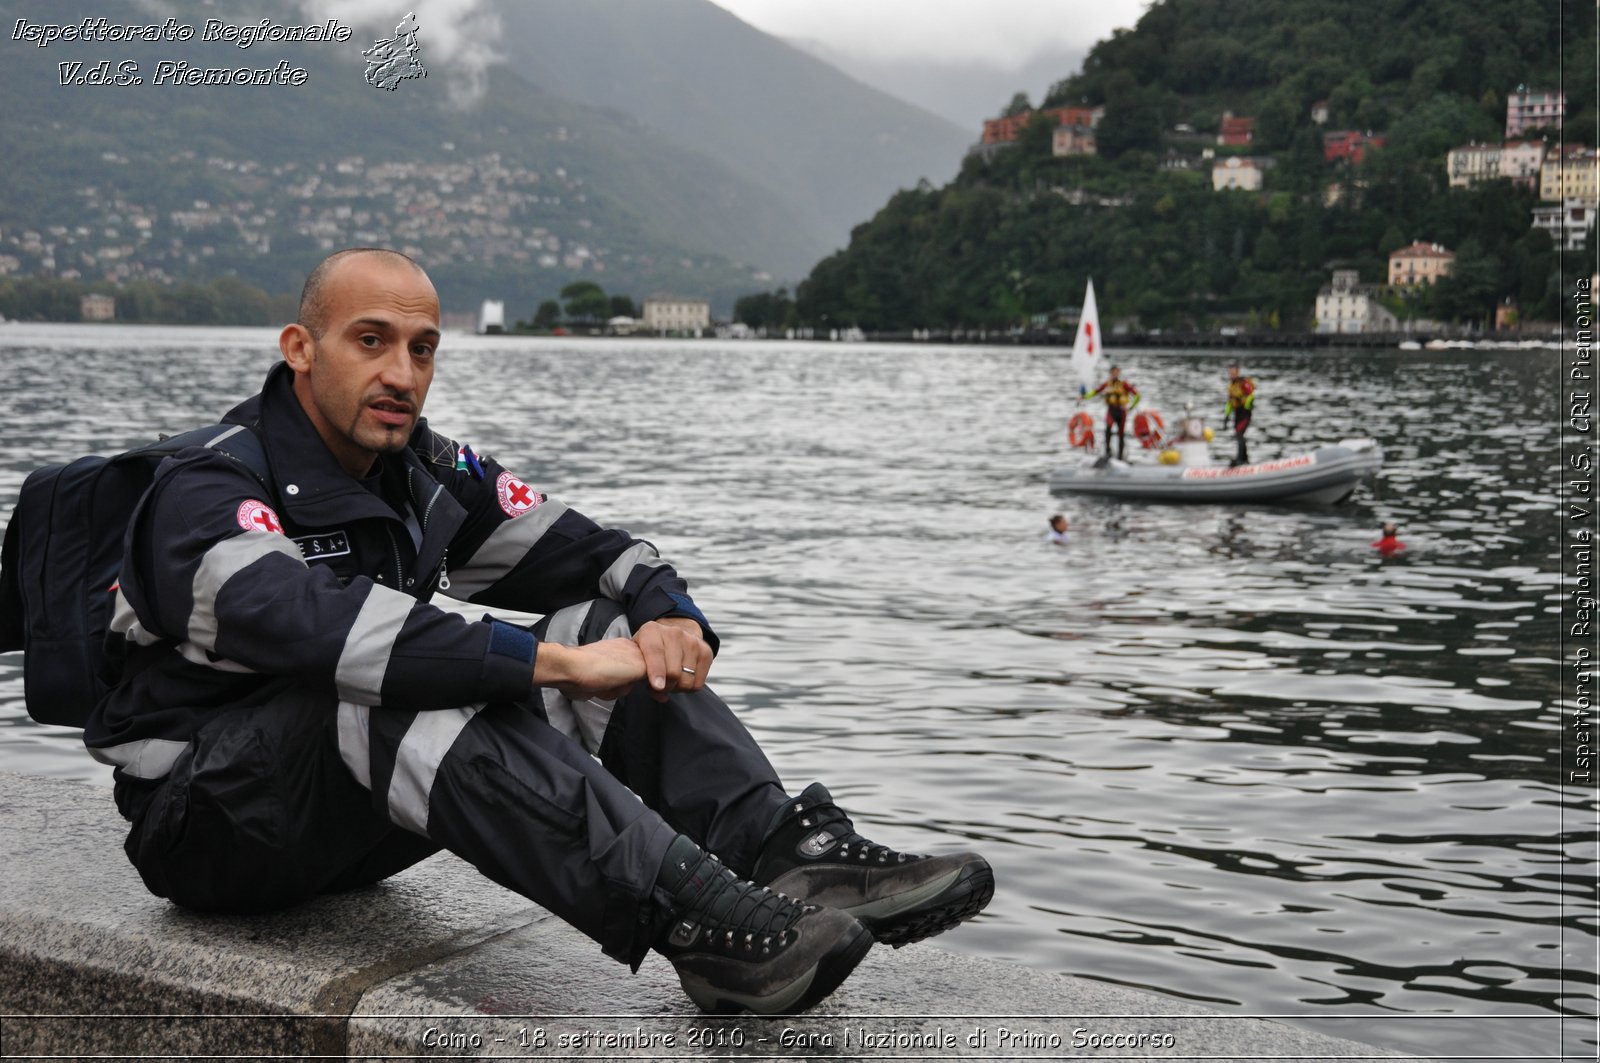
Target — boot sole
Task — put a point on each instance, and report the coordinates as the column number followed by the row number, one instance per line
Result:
column 886, row 910
column 968, row 895
column 804, row 992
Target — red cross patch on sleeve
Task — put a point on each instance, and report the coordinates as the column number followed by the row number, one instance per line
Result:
column 516, row 497
column 255, row 515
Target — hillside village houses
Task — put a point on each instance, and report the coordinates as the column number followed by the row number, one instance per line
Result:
column 1518, row 161
column 1572, row 172
column 1569, row 193
column 1568, row 181
column 481, row 207
column 1350, row 145
column 1567, row 222
column 1534, row 109
column 1240, row 172
column 1236, row 131
column 1521, row 161
column 1419, row 264
column 1569, row 186
column 1074, row 132
column 1073, row 140
column 1567, row 176
column 1007, row 128
column 1473, row 164
column 467, row 207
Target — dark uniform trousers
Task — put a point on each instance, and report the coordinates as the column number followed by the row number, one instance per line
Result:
column 295, row 794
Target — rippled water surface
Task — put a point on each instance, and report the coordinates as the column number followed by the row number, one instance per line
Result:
column 1231, row 755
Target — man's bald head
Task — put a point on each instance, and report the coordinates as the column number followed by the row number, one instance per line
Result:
column 362, row 353
column 313, row 314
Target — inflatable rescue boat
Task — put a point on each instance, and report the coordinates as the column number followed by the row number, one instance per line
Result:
column 1325, row 475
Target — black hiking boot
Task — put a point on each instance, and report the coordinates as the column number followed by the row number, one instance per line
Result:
column 815, row 853
column 741, row 947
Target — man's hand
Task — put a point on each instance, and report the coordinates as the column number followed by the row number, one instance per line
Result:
column 676, row 655
column 603, row 670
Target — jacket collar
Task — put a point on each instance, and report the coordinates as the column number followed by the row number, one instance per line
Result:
column 313, row 488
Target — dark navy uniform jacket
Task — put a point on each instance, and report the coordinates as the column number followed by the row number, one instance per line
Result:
column 228, row 585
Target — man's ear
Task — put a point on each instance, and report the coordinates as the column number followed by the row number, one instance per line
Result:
column 298, row 346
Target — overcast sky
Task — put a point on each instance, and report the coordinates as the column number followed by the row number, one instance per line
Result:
column 990, row 32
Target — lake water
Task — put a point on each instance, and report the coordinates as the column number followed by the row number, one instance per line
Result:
column 1231, row 755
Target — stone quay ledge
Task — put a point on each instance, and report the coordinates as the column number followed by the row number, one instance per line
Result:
column 440, row 962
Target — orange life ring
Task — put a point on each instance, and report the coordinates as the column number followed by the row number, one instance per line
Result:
column 1080, row 430
column 1149, row 428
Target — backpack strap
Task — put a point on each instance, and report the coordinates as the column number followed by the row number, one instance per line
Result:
column 241, row 442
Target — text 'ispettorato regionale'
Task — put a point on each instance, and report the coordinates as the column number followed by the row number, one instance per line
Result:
column 101, row 30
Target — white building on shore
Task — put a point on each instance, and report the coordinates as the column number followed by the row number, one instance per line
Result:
column 97, row 307
column 492, row 317
column 668, row 313
column 1348, row 307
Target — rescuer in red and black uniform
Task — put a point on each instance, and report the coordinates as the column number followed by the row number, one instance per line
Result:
column 1121, row 396
column 1241, row 398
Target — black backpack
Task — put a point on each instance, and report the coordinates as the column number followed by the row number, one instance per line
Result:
column 60, row 561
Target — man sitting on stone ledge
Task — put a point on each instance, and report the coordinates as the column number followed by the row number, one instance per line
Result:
column 295, row 718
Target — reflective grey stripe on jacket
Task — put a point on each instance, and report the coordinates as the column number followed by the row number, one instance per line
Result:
column 363, row 659
column 222, row 562
column 125, row 622
column 505, row 546
column 148, row 758
column 152, row 758
column 635, row 556
column 369, row 645
column 584, row 721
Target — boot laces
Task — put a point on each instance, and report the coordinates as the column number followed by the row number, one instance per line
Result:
column 741, row 916
column 852, row 846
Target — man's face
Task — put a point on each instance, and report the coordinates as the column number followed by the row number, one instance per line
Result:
column 1233, row 372
column 363, row 381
